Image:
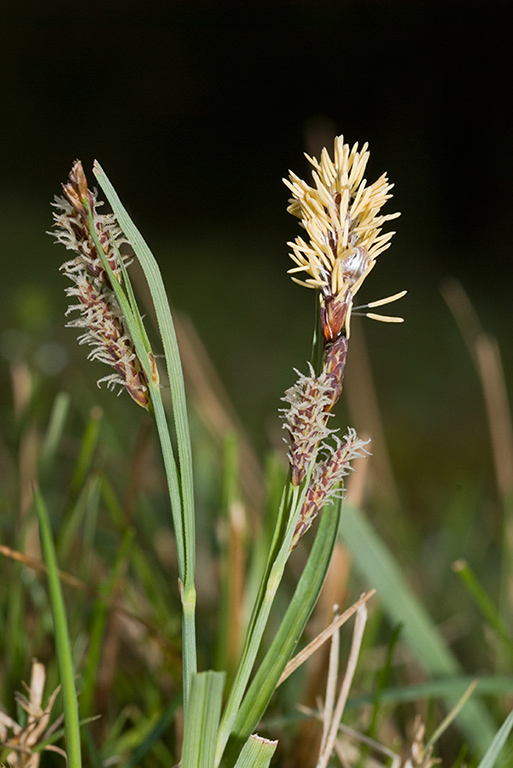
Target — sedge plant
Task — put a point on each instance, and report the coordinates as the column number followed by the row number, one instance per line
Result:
column 342, row 217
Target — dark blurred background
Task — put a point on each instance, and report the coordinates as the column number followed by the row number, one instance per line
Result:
column 196, row 110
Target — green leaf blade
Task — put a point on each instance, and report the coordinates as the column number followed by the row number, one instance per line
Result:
column 202, row 720
column 264, row 683
column 499, row 740
column 62, row 640
column 257, row 752
column 380, row 570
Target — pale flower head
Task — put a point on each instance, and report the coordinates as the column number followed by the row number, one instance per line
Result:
column 342, row 218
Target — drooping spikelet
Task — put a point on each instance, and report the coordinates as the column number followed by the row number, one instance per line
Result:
column 100, row 315
column 342, row 218
column 327, row 477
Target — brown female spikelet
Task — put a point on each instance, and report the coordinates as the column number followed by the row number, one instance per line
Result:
column 327, row 477
column 311, row 400
column 100, row 314
column 306, row 420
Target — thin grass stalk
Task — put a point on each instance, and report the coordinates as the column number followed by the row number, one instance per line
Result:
column 62, row 640
column 377, row 566
column 448, row 719
column 183, row 502
column 291, row 628
column 100, row 614
column 186, row 584
column 485, row 605
column 361, row 620
column 183, row 519
column 54, row 432
column 280, row 550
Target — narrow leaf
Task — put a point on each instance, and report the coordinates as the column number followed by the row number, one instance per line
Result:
column 380, row 570
column 54, row 431
column 497, row 744
column 180, row 483
column 166, row 327
column 62, row 641
column 291, row 628
column 257, row 752
column 202, row 720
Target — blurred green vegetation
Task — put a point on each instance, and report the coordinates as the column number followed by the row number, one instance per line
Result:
column 256, row 326
column 439, row 504
column 195, row 123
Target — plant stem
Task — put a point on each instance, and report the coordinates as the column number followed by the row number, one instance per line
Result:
column 290, row 509
column 180, row 483
column 291, row 628
column 62, row 641
column 185, row 547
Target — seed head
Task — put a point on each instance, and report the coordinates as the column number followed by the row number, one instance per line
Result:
column 311, row 400
column 75, row 213
column 327, row 476
column 75, row 221
column 306, row 420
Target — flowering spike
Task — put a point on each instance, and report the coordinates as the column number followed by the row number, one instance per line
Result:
column 311, row 400
column 342, row 219
column 306, row 420
column 340, row 214
column 327, row 477
column 100, row 314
